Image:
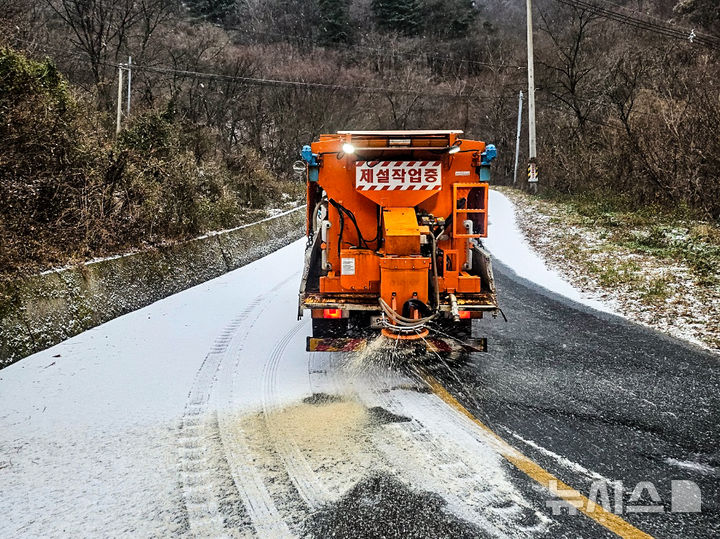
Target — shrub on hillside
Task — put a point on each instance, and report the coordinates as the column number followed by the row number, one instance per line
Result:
column 68, row 191
column 44, row 160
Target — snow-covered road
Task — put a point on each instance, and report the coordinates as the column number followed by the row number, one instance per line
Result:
column 202, row 415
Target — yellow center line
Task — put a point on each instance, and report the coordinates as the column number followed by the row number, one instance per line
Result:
column 605, row 518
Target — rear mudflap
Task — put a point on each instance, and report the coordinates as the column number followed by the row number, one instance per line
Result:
column 335, row 344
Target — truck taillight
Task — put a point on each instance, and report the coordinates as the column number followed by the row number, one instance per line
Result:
column 332, row 313
column 464, row 315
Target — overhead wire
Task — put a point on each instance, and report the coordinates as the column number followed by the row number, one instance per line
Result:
column 665, row 29
column 303, row 84
column 653, row 18
column 259, row 81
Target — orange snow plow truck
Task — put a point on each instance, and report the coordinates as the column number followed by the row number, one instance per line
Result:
column 394, row 227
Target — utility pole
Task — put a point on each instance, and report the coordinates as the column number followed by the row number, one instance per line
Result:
column 517, row 140
column 532, row 155
column 129, row 84
column 119, row 100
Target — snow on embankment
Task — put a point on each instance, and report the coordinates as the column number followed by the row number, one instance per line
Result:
column 39, row 311
column 507, row 244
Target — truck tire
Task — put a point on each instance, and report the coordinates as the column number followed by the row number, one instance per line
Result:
column 323, row 328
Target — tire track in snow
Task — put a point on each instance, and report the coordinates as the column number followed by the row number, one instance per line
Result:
column 219, row 499
column 310, row 488
column 203, row 470
column 264, row 514
column 266, row 518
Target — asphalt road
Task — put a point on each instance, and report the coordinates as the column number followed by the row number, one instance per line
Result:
column 593, row 397
column 202, row 416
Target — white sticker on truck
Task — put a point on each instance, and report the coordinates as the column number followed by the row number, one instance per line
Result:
column 398, row 175
column 347, row 266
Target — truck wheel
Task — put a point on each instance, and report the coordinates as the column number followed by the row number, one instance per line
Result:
column 323, row 328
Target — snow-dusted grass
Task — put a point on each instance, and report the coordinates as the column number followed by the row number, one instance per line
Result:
column 655, row 272
column 507, row 243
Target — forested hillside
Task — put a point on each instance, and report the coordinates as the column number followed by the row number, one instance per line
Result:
column 224, row 94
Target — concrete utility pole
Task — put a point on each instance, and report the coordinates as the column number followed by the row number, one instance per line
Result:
column 532, row 156
column 129, row 84
column 517, row 140
column 119, row 100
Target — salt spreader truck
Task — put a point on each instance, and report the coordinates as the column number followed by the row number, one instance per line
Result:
column 394, row 227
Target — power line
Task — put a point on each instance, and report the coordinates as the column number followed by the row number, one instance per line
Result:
column 305, row 84
column 643, row 24
column 625, row 19
column 657, row 19
column 267, row 81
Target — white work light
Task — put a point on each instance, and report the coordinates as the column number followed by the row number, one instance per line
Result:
column 348, row 148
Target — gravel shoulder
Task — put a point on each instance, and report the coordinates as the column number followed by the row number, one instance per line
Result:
column 657, row 271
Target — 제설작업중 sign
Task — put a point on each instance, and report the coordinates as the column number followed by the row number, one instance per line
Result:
column 397, row 175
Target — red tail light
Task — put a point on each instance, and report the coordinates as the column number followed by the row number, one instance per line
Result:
column 332, row 313
column 464, row 315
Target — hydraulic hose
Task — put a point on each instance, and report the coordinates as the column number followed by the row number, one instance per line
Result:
column 401, row 320
column 342, row 210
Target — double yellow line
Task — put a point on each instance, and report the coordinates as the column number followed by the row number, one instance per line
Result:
column 609, row 520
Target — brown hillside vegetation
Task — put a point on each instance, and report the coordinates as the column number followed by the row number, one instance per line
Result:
column 70, row 192
column 225, row 94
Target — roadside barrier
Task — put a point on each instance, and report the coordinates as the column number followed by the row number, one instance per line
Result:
column 41, row 310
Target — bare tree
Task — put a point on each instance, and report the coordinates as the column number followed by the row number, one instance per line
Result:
column 624, row 87
column 569, row 66
column 100, row 28
column 151, row 15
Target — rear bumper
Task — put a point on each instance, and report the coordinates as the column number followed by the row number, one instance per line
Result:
column 484, row 301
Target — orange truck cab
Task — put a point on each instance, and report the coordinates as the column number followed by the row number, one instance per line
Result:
column 395, row 221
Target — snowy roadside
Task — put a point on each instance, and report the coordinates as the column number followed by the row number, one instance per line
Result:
column 508, row 245
column 88, row 427
column 616, row 265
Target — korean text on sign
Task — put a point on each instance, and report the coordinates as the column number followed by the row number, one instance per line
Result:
column 397, row 175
